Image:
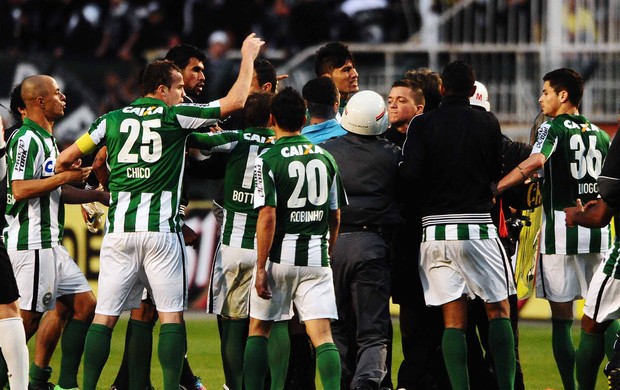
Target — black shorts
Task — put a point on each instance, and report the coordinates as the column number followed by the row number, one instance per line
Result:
column 8, row 286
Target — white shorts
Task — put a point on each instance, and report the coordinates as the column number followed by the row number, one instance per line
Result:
column 565, row 278
column 310, row 288
column 132, row 261
column 453, row 268
column 45, row 274
column 232, row 281
column 603, row 297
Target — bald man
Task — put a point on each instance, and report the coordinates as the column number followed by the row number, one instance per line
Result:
column 47, row 277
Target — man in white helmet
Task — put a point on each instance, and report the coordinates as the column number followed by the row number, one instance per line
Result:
column 359, row 259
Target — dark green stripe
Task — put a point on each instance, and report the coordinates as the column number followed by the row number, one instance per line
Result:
column 572, row 240
column 462, row 231
column 484, row 231
column 301, row 250
column 440, row 232
column 595, row 240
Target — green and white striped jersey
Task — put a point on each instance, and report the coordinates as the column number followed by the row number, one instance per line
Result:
column 575, row 150
column 239, row 226
column 35, row 223
column 303, row 182
column 146, row 158
column 475, row 226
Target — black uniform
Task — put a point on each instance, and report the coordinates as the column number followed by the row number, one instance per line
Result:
column 360, row 262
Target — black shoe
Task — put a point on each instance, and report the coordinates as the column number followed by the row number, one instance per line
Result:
column 47, row 386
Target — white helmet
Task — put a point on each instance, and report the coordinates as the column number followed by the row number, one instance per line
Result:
column 480, row 98
column 365, row 114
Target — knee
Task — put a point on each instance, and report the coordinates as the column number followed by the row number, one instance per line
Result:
column 146, row 313
column 590, row 326
column 84, row 306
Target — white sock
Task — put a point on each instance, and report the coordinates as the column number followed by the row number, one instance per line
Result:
column 15, row 351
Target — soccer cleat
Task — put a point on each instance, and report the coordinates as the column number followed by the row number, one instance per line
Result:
column 60, row 388
column 198, row 384
column 47, row 386
column 613, row 379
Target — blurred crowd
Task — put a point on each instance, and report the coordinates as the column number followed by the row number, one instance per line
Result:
column 134, row 29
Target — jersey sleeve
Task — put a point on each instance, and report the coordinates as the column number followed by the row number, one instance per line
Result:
column 221, row 141
column 264, row 187
column 546, row 140
column 195, row 116
column 24, row 155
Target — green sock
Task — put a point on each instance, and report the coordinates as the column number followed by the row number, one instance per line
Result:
column 39, row 376
column 122, row 376
column 588, row 358
column 233, row 334
column 72, row 347
column 4, row 375
column 610, row 338
column 171, row 351
column 564, row 351
column 255, row 363
column 279, row 349
column 502, row 347
column 328, row 364
column 96, row 352
column 454, row 347
column 139, row 355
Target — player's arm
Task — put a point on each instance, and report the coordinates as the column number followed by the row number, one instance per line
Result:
column 238, row 94
column 71, row 155
column 595, row 214
column 74, row 195
column 35, row 188
column 334, row 227
column 522, row 172
column 265, row 229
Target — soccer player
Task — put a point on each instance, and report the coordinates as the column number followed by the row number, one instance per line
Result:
column 335, row 61
column 12, row 334
column 298, row 193
column 46, row 275
column 571, row 151
column 142, row 246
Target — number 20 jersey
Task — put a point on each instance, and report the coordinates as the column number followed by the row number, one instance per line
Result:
column 576, row 150
column 303, row 182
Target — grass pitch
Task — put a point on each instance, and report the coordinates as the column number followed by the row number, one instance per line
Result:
column 537, row 361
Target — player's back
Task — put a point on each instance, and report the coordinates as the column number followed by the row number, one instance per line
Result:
column 300, row 180
column 146, row 157
column 240, row 217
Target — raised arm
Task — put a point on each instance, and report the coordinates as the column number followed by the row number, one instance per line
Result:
column 236, row 97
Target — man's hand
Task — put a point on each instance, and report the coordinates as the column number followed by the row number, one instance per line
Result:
column 76, row 174
column 189, row 236
column 261, row 284
column 251, row 46
column 571, row 212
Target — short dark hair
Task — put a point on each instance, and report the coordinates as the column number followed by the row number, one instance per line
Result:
column 181, row 54
column 16, row 103
column 157, row 73
column 257, row 109
column 429, row 81
column 265, row 73
column 288, row 109
column 320, row 94
column 331, row 56
column 458, row 78
column 569, row 80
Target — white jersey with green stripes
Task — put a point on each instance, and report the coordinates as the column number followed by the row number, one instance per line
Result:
column 303, row 182
column 35, row 223
column 146, row 158
column 575, row 150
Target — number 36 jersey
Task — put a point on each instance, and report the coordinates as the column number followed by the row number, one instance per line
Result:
column 146, row 157
column 575, row 150
column 303, row 182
